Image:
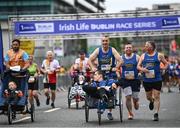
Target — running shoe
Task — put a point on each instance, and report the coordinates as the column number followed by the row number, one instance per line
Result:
column 130, row 116
column 109, row 116
column 151, row 105
column 47, row 100
column 156, row 118
column 52, row 105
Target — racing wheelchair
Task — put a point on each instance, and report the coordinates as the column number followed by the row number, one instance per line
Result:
column 76, row 92
column 100, row 104
column 11, row 104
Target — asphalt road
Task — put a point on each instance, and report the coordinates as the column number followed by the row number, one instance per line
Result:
column 61, row 116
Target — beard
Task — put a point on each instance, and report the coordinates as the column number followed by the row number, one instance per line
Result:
column 15, row 49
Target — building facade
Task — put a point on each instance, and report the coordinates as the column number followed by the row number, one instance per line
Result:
column 32, row 7
column 162, row 42
column 173, row 6
column 18, row 8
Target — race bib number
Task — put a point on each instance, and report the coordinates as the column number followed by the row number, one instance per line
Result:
column 105, row 67
column 150, row 74
column 129, row 75
column 31, row 79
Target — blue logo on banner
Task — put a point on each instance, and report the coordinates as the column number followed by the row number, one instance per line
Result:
column 27, row 27
column 171, row 21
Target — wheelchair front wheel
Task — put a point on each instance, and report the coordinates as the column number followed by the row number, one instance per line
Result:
column 69, row 100
column 9, row 112
column 120, row 105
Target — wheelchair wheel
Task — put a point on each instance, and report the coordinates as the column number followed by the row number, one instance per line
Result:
column 32, row 112
column 77, row 104
column 99, row 118
column 120, row 105
column 69, row 100
column 9, row 113
column 99, row 111
column 86, row 110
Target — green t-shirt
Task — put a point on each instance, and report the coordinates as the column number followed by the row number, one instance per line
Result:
column 32, row 69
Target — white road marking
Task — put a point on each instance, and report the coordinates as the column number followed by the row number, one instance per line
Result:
column 73, row 103
column 22, row 119
column 51, row 110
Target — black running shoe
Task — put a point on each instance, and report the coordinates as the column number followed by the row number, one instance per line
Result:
column 109, row 116
column 52, row 105
column 47, row 101
column 156, row 118
column 151, row 105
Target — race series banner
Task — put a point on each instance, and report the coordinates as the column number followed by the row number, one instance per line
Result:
column 97, row 25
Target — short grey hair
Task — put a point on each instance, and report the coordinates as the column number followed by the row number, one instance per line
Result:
column 49, row 52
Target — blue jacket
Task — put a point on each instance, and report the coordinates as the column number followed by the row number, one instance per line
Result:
column 103, row 83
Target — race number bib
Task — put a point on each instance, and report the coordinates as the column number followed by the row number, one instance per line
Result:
column 129, row 75
column 150, row 74
column 31, row 79
column 105, row 67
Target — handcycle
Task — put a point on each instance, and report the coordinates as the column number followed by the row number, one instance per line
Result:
column 100, row 104
column 11, row 105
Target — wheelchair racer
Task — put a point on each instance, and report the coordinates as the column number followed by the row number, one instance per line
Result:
column 108, row 61
column 80, row 67
column 100, row 89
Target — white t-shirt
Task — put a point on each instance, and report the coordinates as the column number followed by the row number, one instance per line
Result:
column 52, row 66
column 84, row 62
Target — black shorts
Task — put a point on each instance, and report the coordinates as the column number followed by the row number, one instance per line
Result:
column 134, row 84
column 148, row 86
column 52, row 86
column 33, row 86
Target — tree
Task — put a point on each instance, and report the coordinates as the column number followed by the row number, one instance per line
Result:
column 118, row 43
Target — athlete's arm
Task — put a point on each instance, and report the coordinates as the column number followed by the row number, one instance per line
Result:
column 117, row 57
column 38, row 70
column 6, row 61
column 163, row 60
column 42, row 69
column 92, row 58
column 139, row 66
column 26, row 60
